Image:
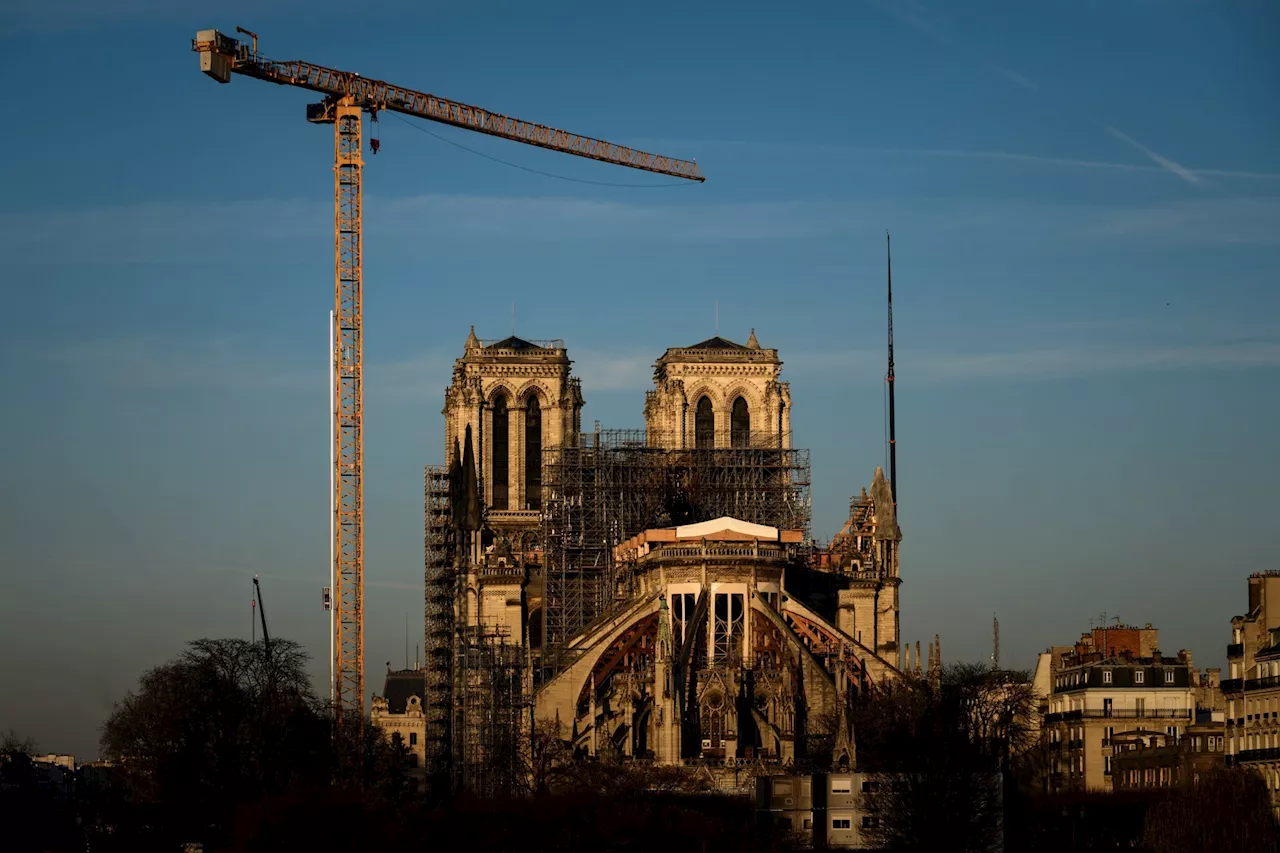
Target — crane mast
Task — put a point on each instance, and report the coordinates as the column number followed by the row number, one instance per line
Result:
column 262, row 613
column 346, row 97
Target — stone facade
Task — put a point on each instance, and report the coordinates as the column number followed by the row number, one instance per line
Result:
column 718, row 394
column 725, row 643
column 1153, row 759
column 1095, row 699
column 866, row 552
column 1253, row 691
column 714, row 658
column 399, row 710
column 518, row 397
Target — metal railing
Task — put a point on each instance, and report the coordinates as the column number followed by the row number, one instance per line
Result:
column 553, row 344
column 1241, row 685
column 1119, row 714
column 1269, row 754
column 746, row 549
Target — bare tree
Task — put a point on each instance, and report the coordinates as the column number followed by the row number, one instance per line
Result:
column 1228, row 809
column 225, row 722
column 549, row 756
column 939, row 753
column 11, row 743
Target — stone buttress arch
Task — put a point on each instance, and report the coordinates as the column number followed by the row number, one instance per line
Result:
column 559, row 697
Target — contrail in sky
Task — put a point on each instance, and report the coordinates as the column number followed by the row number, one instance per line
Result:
column 910, row 13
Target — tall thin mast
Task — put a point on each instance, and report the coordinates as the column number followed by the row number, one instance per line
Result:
column 893, row 443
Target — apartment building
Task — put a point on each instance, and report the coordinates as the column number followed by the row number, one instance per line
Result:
column 1114, row 681
column 1152, row 759
column 1252, row 692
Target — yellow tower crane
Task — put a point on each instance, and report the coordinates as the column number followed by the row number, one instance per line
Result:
column 346, row 97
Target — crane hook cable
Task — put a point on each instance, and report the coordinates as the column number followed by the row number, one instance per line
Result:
column 448, row 141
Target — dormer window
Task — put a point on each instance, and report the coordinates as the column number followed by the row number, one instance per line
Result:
column 1168, row 676
column 1139, row 676
column 1106, row 676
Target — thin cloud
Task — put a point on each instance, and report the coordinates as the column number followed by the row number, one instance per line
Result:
column 1163, row 162
column 1202, row 221
column 225, row 365
column 1071, row 162
column 1065, row 362
column 186, row 234
column 912, row 14
column 845, row 151
column 604, row 371
column 175, row 232
column 152, row 363
column 1075, row 362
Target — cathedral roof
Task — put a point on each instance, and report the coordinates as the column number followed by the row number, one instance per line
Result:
column 512, row 350
column 513, row 343
column 717, row 343
column 720, row 349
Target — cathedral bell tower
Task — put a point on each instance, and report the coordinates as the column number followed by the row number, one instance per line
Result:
column 718, row 394
column 518, row 397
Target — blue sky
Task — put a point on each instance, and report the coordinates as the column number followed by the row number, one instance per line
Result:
column 1085, row 203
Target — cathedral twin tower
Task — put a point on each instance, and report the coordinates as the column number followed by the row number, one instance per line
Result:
column 519, row 397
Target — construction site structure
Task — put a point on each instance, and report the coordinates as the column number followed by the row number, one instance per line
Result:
column 346, row 98
column 607, row 485
column 659, row 596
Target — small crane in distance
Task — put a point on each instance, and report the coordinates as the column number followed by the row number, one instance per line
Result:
column 262, row 614
column 345, row 98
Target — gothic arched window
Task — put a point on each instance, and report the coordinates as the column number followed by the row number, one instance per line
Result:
column 501, row 452
column 740, row 424
column 533, row 454
column 704, row 425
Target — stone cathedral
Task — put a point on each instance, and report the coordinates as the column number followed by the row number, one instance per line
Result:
column 651, row 594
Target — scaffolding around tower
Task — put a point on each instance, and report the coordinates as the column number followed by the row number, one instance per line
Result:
column 491, row 713
column 438, row 618
column 603, row 487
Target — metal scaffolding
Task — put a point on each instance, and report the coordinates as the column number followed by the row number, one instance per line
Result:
column 438, row 619
column 603, row 487
column 493, row 700
column 599, row 489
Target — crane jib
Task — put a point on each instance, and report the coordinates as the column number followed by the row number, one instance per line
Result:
column 221, row 56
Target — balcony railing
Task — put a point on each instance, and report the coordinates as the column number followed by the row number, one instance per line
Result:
column 1119, row 714
column 1242, row 685
column 1235, row 650
column 745, row 549
column 1270, row 754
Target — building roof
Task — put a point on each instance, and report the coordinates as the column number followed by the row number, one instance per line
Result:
column 513, row 343
column 718, row 349
column 718, row 343
column 726, row 527
column 400, row 686
column 723, row 529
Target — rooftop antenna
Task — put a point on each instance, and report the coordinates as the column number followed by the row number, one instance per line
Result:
column 717, row 316
column 995, row 642
column 893, row 441
column 406, row 640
